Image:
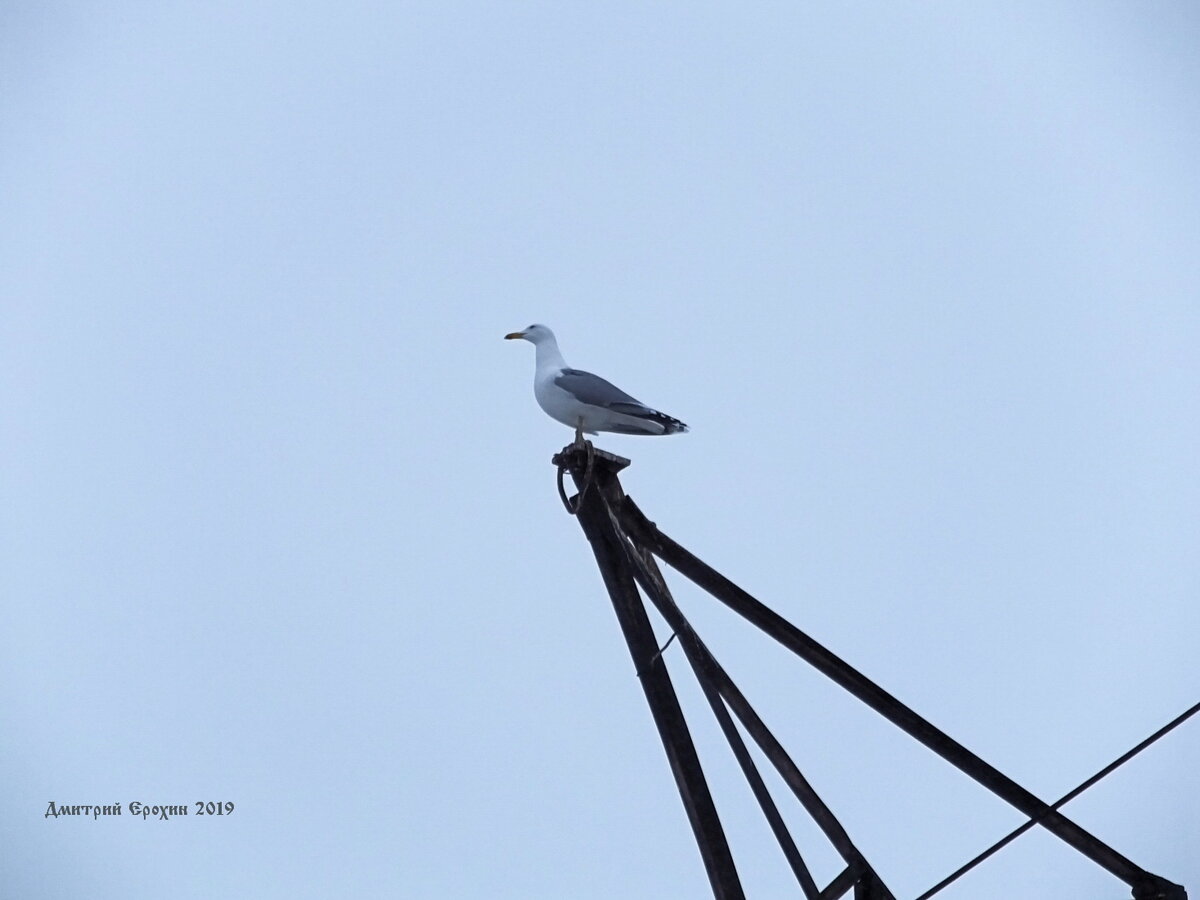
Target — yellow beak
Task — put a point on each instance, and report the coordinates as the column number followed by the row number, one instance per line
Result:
column 514, row 336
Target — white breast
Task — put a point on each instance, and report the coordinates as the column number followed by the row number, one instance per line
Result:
column 559, row 404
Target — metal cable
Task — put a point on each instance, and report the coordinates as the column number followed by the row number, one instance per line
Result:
column 1062, row 801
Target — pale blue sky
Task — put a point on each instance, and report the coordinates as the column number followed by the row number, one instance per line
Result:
column 279, row 522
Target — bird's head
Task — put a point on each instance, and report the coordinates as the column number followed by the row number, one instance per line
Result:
column 535, row 334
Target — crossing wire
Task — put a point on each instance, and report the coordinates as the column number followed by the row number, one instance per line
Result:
column 1062, row 801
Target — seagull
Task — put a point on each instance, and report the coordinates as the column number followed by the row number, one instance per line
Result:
column 584, row 401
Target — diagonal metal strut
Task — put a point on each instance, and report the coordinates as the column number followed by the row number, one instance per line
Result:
column 723, row 695
column 716, row 681
column 1145, row 886
column 623, row 566
column 656, row 684
column 625, row 543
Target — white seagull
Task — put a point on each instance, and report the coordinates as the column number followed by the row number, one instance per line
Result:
column 584, row 401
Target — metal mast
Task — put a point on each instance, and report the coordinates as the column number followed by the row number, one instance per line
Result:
column 626, row 545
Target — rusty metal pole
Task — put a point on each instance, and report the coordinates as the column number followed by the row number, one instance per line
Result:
column 624, row 543
column 1144, row 885
column 597, row 483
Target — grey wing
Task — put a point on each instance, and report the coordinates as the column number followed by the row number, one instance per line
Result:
column 595, row 391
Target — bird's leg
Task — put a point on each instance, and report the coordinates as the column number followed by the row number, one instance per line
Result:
column 589, row 455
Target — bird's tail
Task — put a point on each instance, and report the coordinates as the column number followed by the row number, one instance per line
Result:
column 670, row 424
